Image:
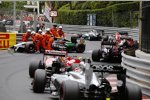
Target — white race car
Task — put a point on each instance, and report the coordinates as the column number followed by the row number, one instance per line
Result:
column 28, row 47
column 86, row 82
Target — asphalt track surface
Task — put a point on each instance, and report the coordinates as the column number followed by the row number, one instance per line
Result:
column 15, row 83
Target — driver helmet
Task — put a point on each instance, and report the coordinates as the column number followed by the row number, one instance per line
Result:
column 48, row 29
column 29, row 31
column 33, row 32
column 39, row 31
column 60, row 27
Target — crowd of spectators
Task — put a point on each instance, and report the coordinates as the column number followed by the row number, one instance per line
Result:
column 28, row 19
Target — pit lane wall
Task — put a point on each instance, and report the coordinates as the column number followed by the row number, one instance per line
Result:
column 138, row 71
column 7, row 40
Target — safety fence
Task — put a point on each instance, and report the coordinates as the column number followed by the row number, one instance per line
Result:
column 137, row 72
column 70, row 29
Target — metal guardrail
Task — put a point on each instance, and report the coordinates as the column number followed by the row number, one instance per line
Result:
column 133, row 32
column 138, row 72
column 19, row 37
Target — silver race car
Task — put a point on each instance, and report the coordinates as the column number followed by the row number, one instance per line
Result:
column 95, row 34
column 28, row 47
column 86, row 82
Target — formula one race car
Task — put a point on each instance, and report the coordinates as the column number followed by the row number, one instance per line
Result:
column 111, row 50
column 118, row 35
column 89, row 83
column 108, row 52
column 52, row 58
column 70, row 46
column 58, row 44
column 95, row 34
column 28, row 47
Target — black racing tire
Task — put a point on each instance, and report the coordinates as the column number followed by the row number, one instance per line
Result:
column 42, row 50
column 80, row 48
column 108, row 43
column 90, row 38
column 105, row 38
column 39, row 81
column 132, row 92
column 69, row 90
column 33, row 66
column 99, row 38
column 96, row 55
column 41, row 65
column 105, row 43
column 74, row 39
column 112, row 43
column 21, row 50
column 30, row 48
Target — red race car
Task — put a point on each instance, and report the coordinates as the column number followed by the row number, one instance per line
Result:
column 53, row 60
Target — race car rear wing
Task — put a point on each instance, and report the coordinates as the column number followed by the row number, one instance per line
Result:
column 55, row 53
column 89, row 69
column 109, row 69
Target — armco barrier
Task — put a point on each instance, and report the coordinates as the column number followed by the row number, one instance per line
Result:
column 133, row 32
column 138, row 72
column 19, row 37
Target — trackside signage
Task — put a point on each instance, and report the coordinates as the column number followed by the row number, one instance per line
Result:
column 7, row 40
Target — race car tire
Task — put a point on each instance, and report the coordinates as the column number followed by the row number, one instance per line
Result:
column 112, row 43
column 104, row 43
column 132, row 92
column 34, row 65
column 74, row 39
column 69, row 90
column 21, row 50
column 99, row 38
column 39, row 81
column 80, row 48
column 42, row 50
column 30, row 48
column 90, row 38
column 96, row 55
column 41, row 65
column 108, row 43
column 105, row 38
